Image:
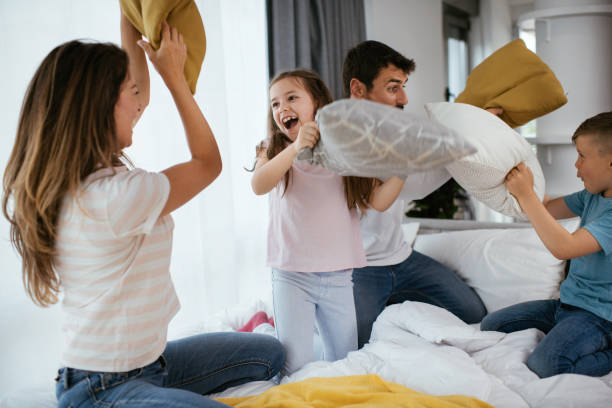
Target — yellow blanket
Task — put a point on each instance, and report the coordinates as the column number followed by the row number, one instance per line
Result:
column 351, row 391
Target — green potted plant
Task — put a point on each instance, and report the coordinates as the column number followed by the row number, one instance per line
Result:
column 450, row 201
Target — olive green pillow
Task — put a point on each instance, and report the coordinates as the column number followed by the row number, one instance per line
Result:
column 147, row 16
column 517, row 80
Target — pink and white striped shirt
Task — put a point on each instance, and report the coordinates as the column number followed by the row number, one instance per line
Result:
column 113, row 259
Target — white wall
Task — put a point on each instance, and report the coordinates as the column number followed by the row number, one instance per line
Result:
column 584, row 72
column 413, row 28
column 490, row 30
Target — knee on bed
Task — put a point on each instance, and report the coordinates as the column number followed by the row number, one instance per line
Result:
column 545, row 364
column 490, row 323
column 475, row 313
column 277, row 356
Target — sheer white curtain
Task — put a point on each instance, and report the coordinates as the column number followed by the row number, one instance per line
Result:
column 218, row 258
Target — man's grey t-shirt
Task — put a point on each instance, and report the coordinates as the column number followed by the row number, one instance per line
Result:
column 381, row 232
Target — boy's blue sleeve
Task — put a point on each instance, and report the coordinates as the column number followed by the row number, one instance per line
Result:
column 575, row 202
column 601, row 229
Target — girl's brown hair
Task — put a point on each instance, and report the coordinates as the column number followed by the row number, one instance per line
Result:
column 357, row 189
column 66, row 131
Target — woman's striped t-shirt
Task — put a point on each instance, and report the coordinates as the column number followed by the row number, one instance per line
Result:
column 113, row 260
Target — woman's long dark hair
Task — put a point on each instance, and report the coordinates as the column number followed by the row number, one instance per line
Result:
column 66, row 131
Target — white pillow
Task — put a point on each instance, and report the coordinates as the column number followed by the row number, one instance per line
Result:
column 504, row 266
column 420, row 185
column 499, row 150
column 369, row 139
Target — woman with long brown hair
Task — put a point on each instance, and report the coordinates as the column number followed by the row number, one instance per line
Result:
column 100, row 233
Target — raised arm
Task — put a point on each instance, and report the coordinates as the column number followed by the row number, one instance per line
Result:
column 268, row 173
column 561, row 243
column 138, row 69
column 189, row 178
column 384, row 194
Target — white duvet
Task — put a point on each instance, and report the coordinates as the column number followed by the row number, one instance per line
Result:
column 430, row 350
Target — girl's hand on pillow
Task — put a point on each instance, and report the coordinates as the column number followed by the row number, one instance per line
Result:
column 307, row 136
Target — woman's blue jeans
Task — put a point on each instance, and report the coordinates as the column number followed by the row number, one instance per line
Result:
column 576, row 341
column 188, row 369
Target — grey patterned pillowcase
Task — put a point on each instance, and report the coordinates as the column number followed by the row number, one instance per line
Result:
column 369, row 139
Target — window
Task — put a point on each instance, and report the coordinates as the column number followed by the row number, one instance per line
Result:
column 456, row 26
column 528, row 130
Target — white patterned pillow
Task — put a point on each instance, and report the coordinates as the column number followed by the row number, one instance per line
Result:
column 369, row 139
column 499, row 148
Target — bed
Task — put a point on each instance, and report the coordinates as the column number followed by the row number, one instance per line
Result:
column 428, row 349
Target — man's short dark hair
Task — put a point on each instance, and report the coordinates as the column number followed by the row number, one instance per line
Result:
column 365, row 60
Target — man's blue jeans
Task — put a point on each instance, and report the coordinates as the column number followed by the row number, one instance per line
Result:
column 419, row 278
column 576, row 341
column 187, row 369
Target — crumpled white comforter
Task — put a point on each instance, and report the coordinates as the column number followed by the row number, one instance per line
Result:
column 430, row 350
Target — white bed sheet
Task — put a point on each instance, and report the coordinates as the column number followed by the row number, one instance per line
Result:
column 430, row 350
column 425, row 348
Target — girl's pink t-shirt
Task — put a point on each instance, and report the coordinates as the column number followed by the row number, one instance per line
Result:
column 311, row 228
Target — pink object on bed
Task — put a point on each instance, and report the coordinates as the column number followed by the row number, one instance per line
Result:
column 257, row 319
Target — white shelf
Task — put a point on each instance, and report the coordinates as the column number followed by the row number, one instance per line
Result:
column 551, row 140
column 432, row 225
column 526, row 21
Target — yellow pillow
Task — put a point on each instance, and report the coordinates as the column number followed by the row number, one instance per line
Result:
column 147, row 16
column 517, row 80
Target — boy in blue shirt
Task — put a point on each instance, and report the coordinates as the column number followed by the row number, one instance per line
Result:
column 578, row 326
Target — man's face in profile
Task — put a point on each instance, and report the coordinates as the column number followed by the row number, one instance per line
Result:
column 388, row 87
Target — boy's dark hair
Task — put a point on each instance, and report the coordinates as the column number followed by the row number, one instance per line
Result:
column 600, row 127
column 365, row 60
